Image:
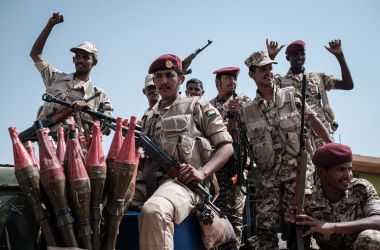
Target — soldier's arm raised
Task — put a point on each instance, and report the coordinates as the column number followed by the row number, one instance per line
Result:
column 273, row 48
column 39, row 44
column 335, row 48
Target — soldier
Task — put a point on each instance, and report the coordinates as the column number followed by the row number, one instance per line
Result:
column 342, row 212
column 72, row 87
column 272, row 121
column 186, row 128
column 194, row 87
column 231, row 196
column 150, row 91
column 318, row 83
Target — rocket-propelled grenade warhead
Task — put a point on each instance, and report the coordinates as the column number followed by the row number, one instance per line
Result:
column 96, row 169
column 122, row 174
column 61, row 145
column 28, row 177
column 113, row 151
column 79, row 190
column 30, row 149
column 54, row 181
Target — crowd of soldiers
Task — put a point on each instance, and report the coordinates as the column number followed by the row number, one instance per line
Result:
column 218, row 142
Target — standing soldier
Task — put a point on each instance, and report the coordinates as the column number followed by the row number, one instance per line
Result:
column 272, row 121
column 318, row 83
column 150, row 91
column 186, row 128
column 194, row 87
column 74, row 87
column 231, row 196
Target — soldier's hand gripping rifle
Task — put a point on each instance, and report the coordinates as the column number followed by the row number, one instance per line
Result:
column 187, row 61
column 301, row 169
column 51, row 120
column 171, row 166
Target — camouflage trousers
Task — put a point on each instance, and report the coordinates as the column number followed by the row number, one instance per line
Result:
column 231, row 200
column 274, row 195
column 368, row 240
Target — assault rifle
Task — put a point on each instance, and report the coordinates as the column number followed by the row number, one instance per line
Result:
column 171, row 166
column 301, row 169
column 30, row 133
column 238, row 159
column 187, row 61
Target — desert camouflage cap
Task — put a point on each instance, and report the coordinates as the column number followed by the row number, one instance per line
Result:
column 259, row 58
column 149, row 80
column 88, row 47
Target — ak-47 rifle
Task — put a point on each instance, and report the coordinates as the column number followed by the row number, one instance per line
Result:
column 187, row 61
column 239, row 157
column 171, row 166
column 301, row 169
column 30, row 133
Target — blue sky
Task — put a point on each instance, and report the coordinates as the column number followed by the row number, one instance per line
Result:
column 131, row 34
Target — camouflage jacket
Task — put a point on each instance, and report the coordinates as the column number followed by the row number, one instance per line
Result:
column 360, row 201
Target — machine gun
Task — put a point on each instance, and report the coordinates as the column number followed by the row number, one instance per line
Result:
column 187, row 61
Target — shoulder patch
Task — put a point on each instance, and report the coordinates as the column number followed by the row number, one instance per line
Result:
column 209, row 113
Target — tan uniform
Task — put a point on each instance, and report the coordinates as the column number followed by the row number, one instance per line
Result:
column 187, row 130
column 360, row 201
column 230, row 199
column 317, row 85
column 63, row 86
column 273, row 129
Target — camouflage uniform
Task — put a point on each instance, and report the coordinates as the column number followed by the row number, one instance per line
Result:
column 65, row 87
column 187, row 130
column 360, row 201
column 316, row 84
column 231, row 199
column 273, row 130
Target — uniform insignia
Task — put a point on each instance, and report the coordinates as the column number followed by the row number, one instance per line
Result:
column 168, row 64
column 209, row 113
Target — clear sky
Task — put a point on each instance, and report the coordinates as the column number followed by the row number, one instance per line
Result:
column 131, row 34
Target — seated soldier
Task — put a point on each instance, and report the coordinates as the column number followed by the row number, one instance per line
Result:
column 176, row 124
column 342, row 212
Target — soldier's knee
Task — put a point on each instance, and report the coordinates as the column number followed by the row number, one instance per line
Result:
column 157, row 208
column 367, row 240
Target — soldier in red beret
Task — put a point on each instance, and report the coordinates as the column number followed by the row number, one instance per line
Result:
column 189, row 129
column 342, row 212
column 231, row 197
column 317, row 83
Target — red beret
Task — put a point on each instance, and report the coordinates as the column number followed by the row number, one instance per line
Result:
column 295, row 46
column 166, row 61
column 331, row 155
column 227, row 71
